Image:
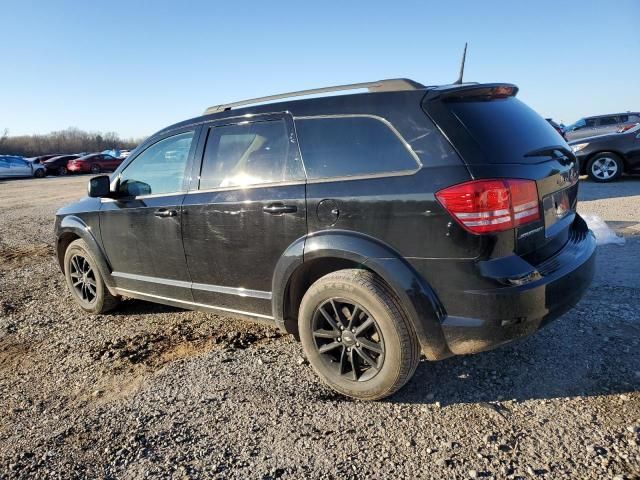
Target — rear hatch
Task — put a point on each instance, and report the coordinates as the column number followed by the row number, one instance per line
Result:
column 499, row 137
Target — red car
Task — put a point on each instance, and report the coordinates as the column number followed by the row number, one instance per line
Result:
column 94, row 163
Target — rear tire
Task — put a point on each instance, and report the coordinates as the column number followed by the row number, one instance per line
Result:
column 62, row 171
column 605, row 167
column 375, row 352
column 95, row 169
column 39, row 173
column 85, row 281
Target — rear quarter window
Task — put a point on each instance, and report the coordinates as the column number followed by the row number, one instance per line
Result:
column 348, row 146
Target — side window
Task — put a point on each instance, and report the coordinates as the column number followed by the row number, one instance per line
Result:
column 18, row 162
column 158, row 169
column 249, row 154
column 350, row 146
column 623, row 118
column 604, row 121
column 591, row 122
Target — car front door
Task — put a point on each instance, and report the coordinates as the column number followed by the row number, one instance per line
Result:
column 5, row 169
column 19, row 167
column 246, row 207
column 141, row 228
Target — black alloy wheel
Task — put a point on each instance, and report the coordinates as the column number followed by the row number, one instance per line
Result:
column 348, row 339
column 83, row 279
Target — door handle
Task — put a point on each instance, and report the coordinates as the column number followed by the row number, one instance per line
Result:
column 279, row 208
column 165, row 212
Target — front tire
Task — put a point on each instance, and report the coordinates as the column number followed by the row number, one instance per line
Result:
column 356, row 336
column 85, row 281
column 605, row 167
column 62, row 171
column 39, row 173
column 95, row 169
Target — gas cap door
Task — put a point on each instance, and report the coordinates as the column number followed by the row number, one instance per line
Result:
column 327, row 212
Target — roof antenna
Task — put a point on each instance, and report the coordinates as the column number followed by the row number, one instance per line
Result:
column 464, row 57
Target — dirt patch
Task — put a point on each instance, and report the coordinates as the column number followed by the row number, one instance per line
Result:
column 11, row 257
column 14, row 356
column 155, row 350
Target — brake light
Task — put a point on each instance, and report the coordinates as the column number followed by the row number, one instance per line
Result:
column 487, row 206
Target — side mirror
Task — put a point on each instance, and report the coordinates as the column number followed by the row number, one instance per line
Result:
column 99, row 186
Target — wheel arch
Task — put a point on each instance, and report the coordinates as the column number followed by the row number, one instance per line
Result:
column 72, row 228
column 318, row 254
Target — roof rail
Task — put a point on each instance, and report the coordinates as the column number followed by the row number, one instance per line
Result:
column 389, row 85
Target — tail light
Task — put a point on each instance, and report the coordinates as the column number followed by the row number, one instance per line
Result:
column 487, row 206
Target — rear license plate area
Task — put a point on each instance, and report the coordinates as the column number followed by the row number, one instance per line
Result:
column 559, row 208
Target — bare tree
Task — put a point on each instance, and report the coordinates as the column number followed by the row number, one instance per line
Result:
column 70, row 140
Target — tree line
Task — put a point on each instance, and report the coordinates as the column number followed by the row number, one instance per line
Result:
column 70, row 140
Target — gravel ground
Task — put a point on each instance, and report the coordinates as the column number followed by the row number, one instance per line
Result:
column 151, row 391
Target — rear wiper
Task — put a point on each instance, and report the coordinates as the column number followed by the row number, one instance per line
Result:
column 555, row 151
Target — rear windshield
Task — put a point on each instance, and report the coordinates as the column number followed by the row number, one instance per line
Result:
column 505, row 129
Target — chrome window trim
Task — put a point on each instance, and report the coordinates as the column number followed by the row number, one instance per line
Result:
column 247, row 187
column 142, row 197
column 384, row 121
column 194, row 304
column 366, row 176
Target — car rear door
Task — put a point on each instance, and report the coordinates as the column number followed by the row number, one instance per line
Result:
column 109, row 163
column 606, row 125
column 245, row 208
column 141, row 228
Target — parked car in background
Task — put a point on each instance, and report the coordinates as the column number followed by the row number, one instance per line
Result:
column 624, row 128
column 93, row 163
column 58, row 165
column 42, row 158
column 13, row 166
column 124, row 153
column 372, row 227
column 600, row 125
column 557, row 127
column 606, row 157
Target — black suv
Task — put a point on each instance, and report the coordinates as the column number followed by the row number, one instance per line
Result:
column 372, row 226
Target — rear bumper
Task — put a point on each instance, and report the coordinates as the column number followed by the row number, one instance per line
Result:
column 507, row 313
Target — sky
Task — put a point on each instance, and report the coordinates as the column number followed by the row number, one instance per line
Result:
column 134, row 67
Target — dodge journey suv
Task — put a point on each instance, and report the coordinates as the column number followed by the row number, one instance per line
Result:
column 373, row 226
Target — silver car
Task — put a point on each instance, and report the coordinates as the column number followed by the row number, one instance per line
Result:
column 11, row 166
column 600, row 125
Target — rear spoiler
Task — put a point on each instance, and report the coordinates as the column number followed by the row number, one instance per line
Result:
column 475, row 91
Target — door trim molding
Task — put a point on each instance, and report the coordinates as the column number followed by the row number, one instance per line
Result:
column 240, row 292
column 143, row 295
